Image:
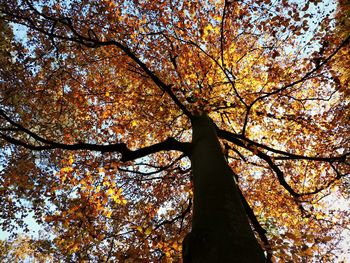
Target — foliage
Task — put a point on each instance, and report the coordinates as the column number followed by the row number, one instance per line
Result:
column 96, row 98
column 24, row 249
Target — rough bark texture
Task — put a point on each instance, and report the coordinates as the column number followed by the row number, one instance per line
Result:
column 220, row 227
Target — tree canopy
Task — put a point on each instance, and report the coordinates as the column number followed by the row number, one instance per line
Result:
column 96, row 99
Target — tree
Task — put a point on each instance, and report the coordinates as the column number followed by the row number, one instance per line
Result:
column 99, row 100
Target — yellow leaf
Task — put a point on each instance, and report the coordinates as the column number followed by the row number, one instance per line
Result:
column 207, row 29
column 133, row 123
column 67, row 169
column 71, row 160
column 176, row 246
column 105, row 114
column 148, row 231
column 108, row 214
column 75, row 247
column 110, row 191
column 139, row 228
column 318, row 216
column 106, row 183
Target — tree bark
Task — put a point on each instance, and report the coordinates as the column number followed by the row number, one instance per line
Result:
column 220, row 228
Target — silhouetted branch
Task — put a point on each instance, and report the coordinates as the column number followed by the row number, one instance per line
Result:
column 258, row 228
column 307, row 75
column 92, row 41
column 160, row 169
column 127, row 154
column 179, row 216
column 285, row 155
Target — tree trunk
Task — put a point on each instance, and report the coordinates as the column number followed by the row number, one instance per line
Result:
column 220, row 228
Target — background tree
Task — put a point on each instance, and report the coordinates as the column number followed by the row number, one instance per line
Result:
column 97, row 100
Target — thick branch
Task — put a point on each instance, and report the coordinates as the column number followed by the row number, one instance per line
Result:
column 253, row 147
column 127, row 154
column 229, row 136
column 278, row 172
column 258, row 228
column 222, row 37
column 263, row 156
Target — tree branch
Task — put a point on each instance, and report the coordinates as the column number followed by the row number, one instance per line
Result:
column 93, row 42
column 127, row 154
column 229, row 136
column 258, row 228
column 307, row 75
column 181, row 216
column 302, row 79
column 266, row 158
column 159, row 170
column 252, row 147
